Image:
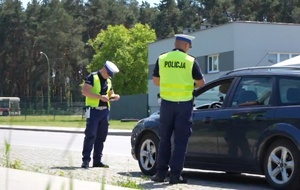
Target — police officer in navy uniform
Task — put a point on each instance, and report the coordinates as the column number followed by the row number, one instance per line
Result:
column 98, row 93
column 177, row 74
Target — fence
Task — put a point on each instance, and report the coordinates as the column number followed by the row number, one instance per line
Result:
column 128, row 107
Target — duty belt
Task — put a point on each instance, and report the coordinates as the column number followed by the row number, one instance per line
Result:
column 100, row 108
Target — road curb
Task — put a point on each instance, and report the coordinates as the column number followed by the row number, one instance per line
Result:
column 80, row 130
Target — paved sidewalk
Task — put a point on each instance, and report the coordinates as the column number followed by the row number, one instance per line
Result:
column 12, row 179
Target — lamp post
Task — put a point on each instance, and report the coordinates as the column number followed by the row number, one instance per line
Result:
column 48, row 81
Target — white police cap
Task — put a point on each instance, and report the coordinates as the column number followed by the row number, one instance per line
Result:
column 184, row 37
column 111, row 68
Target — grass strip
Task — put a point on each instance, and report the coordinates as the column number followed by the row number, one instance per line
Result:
column 59, row 121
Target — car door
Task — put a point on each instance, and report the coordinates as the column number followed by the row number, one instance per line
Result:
column 203, row 143
column 248, row 114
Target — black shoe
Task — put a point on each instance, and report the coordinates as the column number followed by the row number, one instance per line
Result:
column 100, row 165
column 85, row 165
column 176, row 179
column 158, row 178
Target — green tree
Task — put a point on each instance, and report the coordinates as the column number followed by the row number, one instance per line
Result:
column 296, row 15
column 130, row 10
column 101, row 13
column 128, row 49
column 60, row 38
column 147, row 14
column 167, row 20
column 214, row 12
column 189, row 16
column 269, row 11
column 31, row 52
column 287, row 8
column 250, row 9
column 12, row 33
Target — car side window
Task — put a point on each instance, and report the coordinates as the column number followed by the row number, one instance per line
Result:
column 214, row 96
column 253, row 91
column 289, row 91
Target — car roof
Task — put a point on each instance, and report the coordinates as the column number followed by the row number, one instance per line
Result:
column 265, row 70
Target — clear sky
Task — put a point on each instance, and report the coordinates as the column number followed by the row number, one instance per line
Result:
column 151, row 2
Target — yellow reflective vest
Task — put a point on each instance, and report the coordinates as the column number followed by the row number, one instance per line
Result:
column 176, row 80
column 94, row 102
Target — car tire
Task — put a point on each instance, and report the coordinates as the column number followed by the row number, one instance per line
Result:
column 5, row 113
column 281, row 165
column 147, row 153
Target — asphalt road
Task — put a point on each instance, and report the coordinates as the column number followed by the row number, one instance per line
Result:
column 51, row 152
column 119, row 145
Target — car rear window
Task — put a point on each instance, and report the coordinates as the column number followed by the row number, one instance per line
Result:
column 289, row 91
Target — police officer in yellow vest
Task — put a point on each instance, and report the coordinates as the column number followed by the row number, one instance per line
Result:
column 177, row 74
column 98, row 93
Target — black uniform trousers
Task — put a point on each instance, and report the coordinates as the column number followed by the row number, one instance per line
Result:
column 95, row 134
column 176, row 119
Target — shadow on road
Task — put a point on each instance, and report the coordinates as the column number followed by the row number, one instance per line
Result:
column 222, row 177
column 215, row 180
column 66, row 168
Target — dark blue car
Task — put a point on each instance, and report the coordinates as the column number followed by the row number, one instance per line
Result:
column 247, row 121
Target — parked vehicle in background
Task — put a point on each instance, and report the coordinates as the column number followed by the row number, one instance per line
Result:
column 247, row 121
column 10, row 106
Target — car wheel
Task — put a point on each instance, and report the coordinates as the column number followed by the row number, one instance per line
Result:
column 281, row 165
column 147, row 153
column 5, row 113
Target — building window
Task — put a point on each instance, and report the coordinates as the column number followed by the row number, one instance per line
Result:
column 213, row 63
column 278, row 57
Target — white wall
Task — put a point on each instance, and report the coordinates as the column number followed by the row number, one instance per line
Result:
column 159, row 47
column 250, row 42
column 254, row 40
column 213, row 40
